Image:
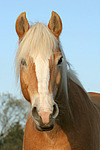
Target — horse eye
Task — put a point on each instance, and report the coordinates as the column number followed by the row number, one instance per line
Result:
column 60, row 60
column 23, row 62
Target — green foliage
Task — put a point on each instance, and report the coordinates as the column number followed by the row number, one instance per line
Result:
column 14, row 139
column 13, row 116
column 12, row 110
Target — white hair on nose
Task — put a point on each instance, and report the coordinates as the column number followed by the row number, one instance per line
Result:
column 42, row 73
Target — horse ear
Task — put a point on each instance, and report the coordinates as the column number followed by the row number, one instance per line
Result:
column 22, row 25
column 55, row 24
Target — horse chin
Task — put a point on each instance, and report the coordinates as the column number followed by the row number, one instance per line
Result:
column 44, row 128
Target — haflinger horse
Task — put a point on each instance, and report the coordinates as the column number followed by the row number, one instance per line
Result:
column 62, row 114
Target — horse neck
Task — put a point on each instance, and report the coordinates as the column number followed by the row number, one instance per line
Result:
column 79, row 101
column 78, row 116
column 65, row 117
column 86, row 119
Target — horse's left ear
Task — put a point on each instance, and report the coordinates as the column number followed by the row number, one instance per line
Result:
column 55, row 24
column 22, row 25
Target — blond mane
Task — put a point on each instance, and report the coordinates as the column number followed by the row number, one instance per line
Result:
column 40, row 40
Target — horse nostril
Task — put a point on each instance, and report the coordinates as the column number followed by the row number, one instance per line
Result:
column 55, row 111
column 34, row 112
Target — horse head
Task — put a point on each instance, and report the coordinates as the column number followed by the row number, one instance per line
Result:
column 39, row 63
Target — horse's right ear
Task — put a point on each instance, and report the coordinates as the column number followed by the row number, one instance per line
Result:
column 22, row 25
column 55, row 24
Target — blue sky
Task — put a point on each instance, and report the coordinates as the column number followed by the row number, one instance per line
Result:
column 80, row 37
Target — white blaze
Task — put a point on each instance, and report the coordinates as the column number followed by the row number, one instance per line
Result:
column 42, row 73
column 43, row 77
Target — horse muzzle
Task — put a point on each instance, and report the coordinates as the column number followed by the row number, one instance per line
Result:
column 45, row 127
column 44, row 120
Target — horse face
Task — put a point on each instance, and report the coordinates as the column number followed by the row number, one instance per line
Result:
column 40, row 80
column 40, row 76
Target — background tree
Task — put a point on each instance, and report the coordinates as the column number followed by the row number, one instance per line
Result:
column 12, row 110
column 14, row 139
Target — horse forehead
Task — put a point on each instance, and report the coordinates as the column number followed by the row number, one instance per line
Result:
column 42, row 68
column 42, row 74
column 41, row 62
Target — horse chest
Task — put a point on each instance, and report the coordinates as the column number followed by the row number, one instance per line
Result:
column 41, row 143
column 45, row 144
column 35, row 140
column 60, row 143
